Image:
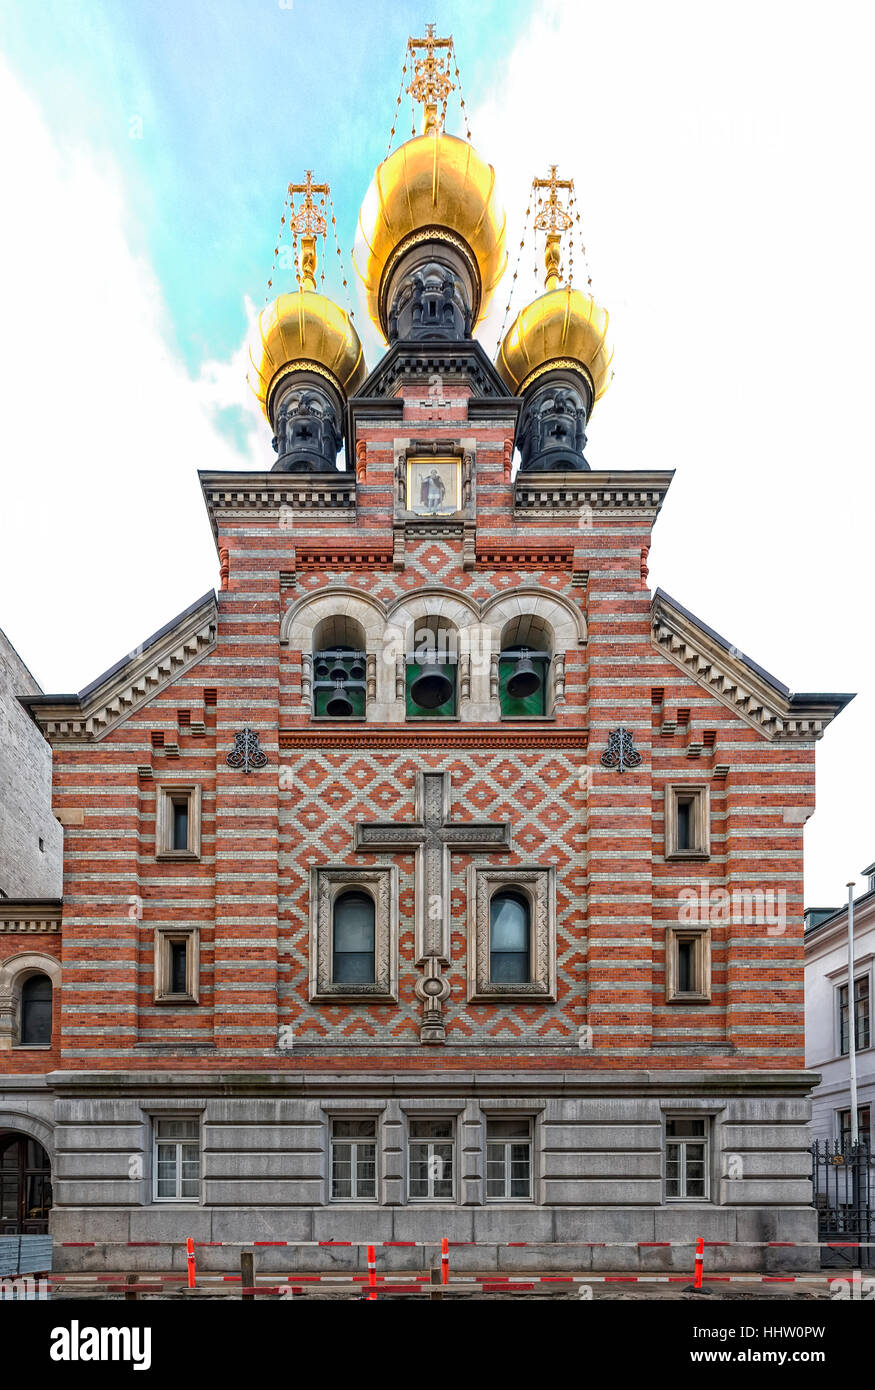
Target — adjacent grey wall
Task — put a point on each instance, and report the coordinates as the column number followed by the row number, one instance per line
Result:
column 25, row 791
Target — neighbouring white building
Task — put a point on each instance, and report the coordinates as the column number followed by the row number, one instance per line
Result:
column 828, row 1011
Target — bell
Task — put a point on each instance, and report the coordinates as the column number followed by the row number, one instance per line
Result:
column 431, row 687
column 524, row 680
column 337, row 673
column 340, row 705
column 321, row 670
column 357, row 671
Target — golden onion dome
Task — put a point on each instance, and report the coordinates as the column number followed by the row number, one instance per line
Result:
column 433, row 187
column 563, row 328
column 305, row 331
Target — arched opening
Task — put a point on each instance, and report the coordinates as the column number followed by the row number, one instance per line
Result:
column 510, row 939
column 36, row 1012
column 353, row 954
column 25, row 1185
column 339, row 668
column 432, row 668
column 524, row 667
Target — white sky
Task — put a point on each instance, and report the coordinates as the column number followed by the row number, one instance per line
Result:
column 723, row 160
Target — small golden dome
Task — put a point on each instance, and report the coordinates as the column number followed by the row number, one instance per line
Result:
column 563, row 328
column 305, row 331
column 437, row 184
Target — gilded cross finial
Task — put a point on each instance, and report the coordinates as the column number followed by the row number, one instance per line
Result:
column 553, row 218
column 431, row 83
column 307, row 222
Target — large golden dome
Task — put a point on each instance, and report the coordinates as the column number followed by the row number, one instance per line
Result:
column 305, row 331
column 563, row 328
column 437, row 184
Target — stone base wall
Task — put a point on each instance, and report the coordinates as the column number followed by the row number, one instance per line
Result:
column 598, row 1171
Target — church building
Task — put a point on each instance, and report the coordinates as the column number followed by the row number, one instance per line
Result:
column 433, row 877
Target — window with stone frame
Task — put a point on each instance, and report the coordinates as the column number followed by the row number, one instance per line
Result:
column 353, row 1160
column 431, row 1152
column 178, row 821
column 35, row 1012
column 511, row 933
column 176, row 1158
column 177, row 965
column 688, row 965
column 353, row 933
column 509, row 1160
column 687, row 821
column 862, row 1015
column 687, row 1158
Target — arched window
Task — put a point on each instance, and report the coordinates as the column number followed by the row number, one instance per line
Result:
column 509, row 939
column 523, row 668
column 339, row 669
column 36, row 1011
column 432, row 665
column 354, row 940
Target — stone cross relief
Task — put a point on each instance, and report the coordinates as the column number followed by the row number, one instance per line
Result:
column 433, row 836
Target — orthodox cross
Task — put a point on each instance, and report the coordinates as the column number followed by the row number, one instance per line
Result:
column 431, row 83
column 553, row 218
column 433, row 836
column 307, row 222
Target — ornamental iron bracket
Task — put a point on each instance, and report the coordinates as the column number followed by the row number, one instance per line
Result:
column 246, row 752
column 621, row 751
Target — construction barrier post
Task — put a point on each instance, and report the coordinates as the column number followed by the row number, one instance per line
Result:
column 700, row 1259
column 372, row 1273
column 130, row 1290
column 247, row 1275
column 435, row 1294
column 189, row 1251
column 445, row 1260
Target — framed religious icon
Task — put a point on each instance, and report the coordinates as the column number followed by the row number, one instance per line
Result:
column 434, row 486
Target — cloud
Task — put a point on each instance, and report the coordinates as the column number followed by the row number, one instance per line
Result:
column 719, row 162
column 103, row 526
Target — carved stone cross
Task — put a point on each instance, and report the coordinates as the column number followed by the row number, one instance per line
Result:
column 433, row 836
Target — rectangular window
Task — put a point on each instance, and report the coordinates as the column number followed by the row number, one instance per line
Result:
column 177, row 965
column 688, row 965
column 509, row 1160
column 861, row 1015
column 864, row 1124
column 686, row 1158
column 178, row 822
column 179, row 807
column 687, row 822
column 354, row 1160
column 176, row 1159
column 431, row 1160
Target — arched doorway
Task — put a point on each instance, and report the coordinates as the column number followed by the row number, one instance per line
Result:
column 25, row 1186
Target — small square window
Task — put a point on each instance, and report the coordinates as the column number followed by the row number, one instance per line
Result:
column 687, row 1158
column 354, row 1160
column 177, row 965
column 687, row 822
column 178, row 822
column 176, row 1159
column 509, row 1160
column 688, row 965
